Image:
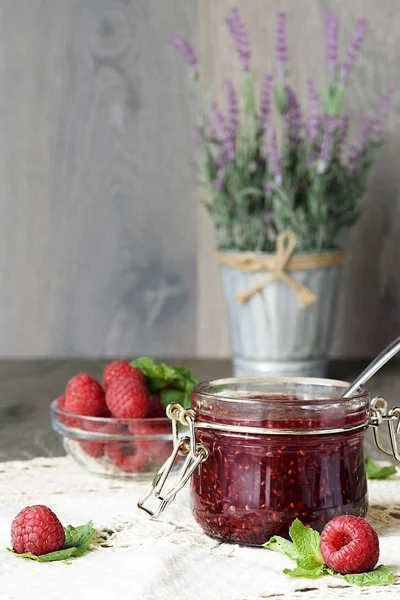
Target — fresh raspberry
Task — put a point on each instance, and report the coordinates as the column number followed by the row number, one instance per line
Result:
column 85, row 396
column 128, row 399
column 121, row 369
column 94, row 448
column 157, row 449
column 349, row 545
column 38, row 530
column 156, row 408
column 69, row 421
column 127, row 456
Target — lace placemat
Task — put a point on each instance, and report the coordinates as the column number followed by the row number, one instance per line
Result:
column 140, row 559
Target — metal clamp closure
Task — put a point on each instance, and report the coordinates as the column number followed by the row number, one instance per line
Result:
column 379, row 413
column 184, row 446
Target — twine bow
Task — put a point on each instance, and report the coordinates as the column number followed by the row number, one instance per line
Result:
column 276, row 264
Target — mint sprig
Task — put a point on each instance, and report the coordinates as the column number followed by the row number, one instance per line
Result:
column 375, row 472
column 77, row 540
column 174, row 383
column 304, row 549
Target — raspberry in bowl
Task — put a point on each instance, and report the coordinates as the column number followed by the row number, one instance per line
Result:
column 119, row 430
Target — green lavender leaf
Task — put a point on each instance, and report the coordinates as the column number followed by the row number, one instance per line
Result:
column 375, row 472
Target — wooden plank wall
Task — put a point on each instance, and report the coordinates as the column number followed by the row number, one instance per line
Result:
column 97, row 227
column 369, row 306
column 99, row 212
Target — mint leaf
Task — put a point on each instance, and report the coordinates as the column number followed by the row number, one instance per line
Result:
column 79, row 537
column 158, row 376
column 309, row 563
column 309, row 573
column 167, row 379
column 279, row 544
column 375, row 472
column 306, row 542
column 77, row 540
column 380, row 576
column 170, row 396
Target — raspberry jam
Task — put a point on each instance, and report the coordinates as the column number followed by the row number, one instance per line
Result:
column 255, row 483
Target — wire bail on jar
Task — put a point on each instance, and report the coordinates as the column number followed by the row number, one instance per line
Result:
column 184, row 446
column 379, row 413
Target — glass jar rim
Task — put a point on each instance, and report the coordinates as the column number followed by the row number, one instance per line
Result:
column 202, row 387
column 286, row 404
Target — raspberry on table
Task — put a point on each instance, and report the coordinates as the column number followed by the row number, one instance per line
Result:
column 37, row 529
column 128, row 399
column 127, row 456
column 85, row 396
column 121, row 369
column 349, row 545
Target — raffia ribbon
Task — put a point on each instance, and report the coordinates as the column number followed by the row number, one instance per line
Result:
column 278, row 264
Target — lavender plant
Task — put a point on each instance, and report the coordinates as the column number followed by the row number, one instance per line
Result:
column 307, row 180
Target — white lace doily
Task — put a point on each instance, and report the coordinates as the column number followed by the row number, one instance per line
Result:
column 160, row 560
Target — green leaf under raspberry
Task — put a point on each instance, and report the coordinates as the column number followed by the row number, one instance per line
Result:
column 280, row 544
column 304, row 572
column 77, row 540
column 309, row 563
column 375, row 472
column 306, row 541
column 380, row 576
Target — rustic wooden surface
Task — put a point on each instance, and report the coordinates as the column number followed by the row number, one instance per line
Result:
column 368, row 312
column 28, row 386
column 98, row 222
column 97, row 227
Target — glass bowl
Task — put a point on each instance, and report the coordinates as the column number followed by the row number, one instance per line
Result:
column 119, row 448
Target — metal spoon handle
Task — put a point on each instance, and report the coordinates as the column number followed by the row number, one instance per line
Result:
column 374, row 366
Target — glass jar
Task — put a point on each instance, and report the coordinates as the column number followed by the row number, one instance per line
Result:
column 261, row 452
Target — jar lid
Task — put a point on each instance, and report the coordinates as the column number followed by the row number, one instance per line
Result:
column 290, row 404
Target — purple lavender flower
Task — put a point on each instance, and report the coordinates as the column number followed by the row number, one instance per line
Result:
column 186, row 50
column 266, row 94
column 281, row 46
column 218, row 124
column 380, row 119
column 239, row 34
column 360, row 147
column 273, row 154
column 231, row 126
column 268, row 216
column 292, row 117
column 331, row 43
column 217, row 119
column 353, row 50
column 315, row 111
column 328, row 139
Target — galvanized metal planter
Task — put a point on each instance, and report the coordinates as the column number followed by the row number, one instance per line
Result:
column 271, row 333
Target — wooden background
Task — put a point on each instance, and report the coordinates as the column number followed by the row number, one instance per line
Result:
column 104, row 249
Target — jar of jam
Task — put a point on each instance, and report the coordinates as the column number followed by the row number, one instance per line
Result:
column 261, row 452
